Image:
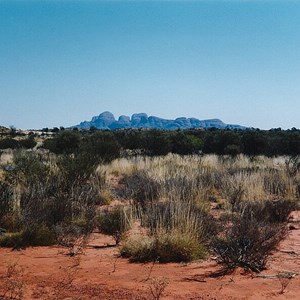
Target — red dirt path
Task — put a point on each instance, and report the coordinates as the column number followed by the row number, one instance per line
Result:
column 47, row 273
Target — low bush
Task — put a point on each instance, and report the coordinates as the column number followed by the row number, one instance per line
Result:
column 65, row 142
column 9, row 143
column 278, row 211
column 42, row 236
column 29, row 167
column 39, row 236
column 37, row 195
column 114, row 222
column 6, row 201
column 172, row 247
column 72, row 237
column 177, row 247
column 273, row 211
column 138, row 248
column 11, row 221
column 28, row 143
column 247, row 243
column 10, row 239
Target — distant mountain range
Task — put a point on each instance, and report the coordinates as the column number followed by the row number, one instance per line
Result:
column 106, row 120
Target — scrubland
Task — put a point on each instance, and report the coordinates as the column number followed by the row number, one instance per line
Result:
column 233, row 211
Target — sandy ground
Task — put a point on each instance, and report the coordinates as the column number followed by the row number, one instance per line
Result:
column 48, row 273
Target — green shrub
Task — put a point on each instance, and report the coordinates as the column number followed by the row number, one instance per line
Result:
column 66, row 142
column 41, row 236
column 45, row 197
column 11, row 221
column 93, row 150
column 29, row 167
column 114, row 222
column 75, row 168
column 172, row 247
column 9, row 143
column 177, row 247
column 11, row 239
column 100, row 146
column 28, row 143
column 138, row 248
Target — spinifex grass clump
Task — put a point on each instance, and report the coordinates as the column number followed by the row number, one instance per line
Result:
column 178, row 216
column 163, row 247
column 174, row 231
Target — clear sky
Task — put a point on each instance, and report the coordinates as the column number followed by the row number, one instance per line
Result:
column 62, row 62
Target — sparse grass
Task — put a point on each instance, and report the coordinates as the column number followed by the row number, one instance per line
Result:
column 12, row 284
column 72, row 237
column 65, row 282
column 157, row 287
column 285, row 279
column 105, row 197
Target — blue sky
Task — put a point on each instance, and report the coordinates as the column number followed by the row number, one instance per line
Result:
column 62, row 62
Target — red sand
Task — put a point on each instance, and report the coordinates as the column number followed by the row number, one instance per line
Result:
column 48, row 273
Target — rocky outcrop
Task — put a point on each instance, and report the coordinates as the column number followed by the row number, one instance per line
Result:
column 106, row 120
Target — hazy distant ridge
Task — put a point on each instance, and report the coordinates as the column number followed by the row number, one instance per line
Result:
column 106, row 120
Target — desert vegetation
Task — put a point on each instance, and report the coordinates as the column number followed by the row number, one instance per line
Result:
column 191, row 206
column 159, row 204
column 171, row 208
column 157, row 208
column 46, row 197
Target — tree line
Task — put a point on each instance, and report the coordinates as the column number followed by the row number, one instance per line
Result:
column 160, row 142
column 196, row 141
